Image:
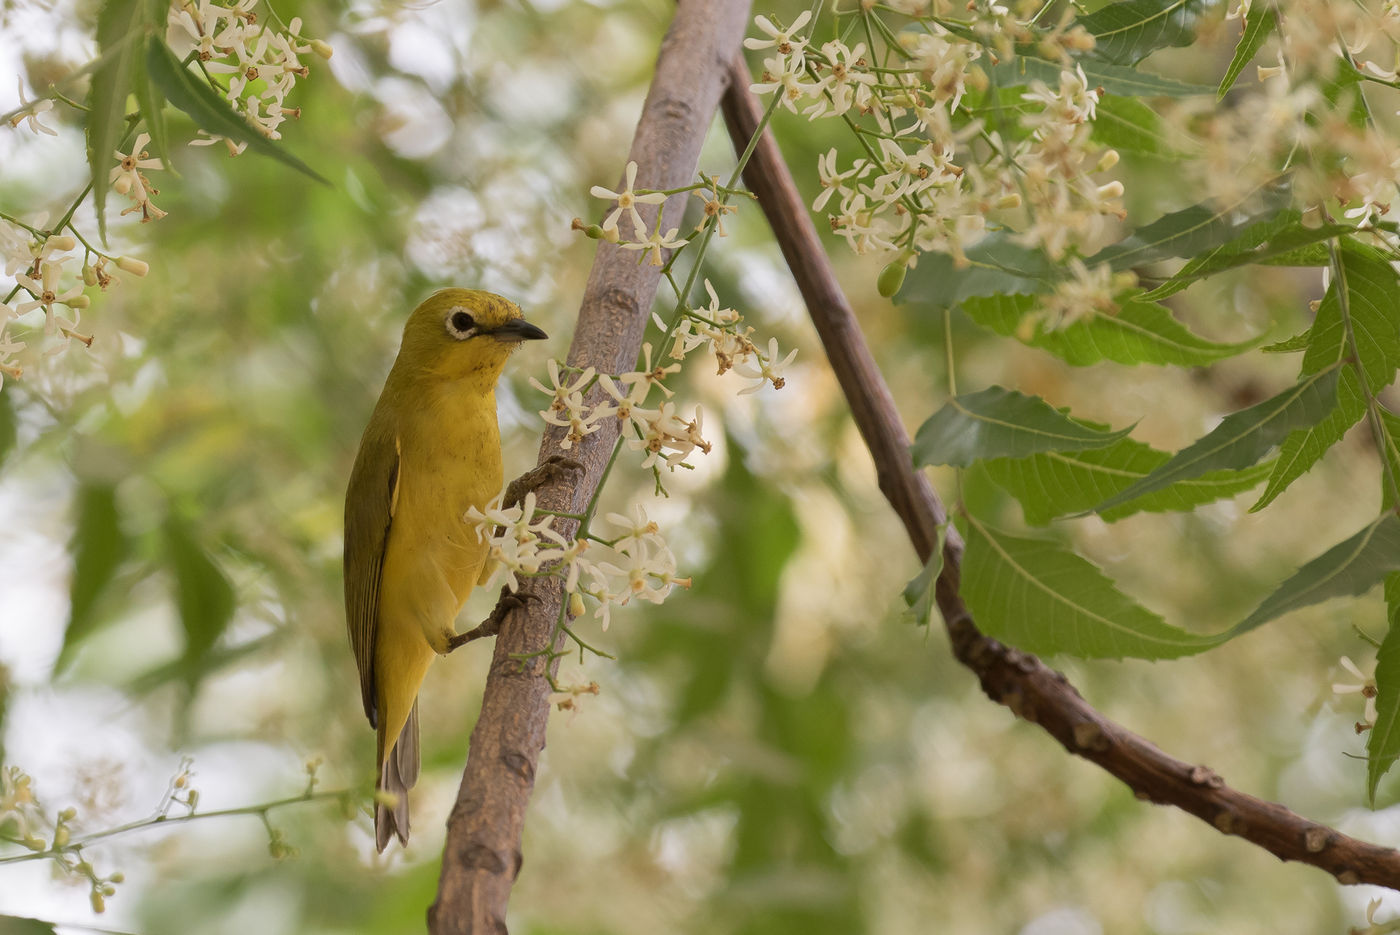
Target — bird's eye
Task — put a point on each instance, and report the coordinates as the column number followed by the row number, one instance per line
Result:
column 460, row 324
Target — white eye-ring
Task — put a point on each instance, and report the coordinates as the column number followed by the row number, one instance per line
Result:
column 460, row 323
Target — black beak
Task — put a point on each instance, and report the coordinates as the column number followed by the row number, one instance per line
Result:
column 518, row 329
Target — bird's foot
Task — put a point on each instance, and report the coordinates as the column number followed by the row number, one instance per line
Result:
column 556, row 468
column 508, row 601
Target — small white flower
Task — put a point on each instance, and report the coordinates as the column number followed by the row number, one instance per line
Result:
column 783, row 39
column 1365, row 686
column 627, row 200
column 765, row 368
column 657, row 242
column 29, row 112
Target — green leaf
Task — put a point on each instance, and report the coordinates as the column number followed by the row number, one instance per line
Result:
column 995, row 266
column 919, row 592
column 1389, row 445
column 204, row 597
column 208, row 109
column 22, row 925
column 1114, row 79
column 1193, row 230
column 1299, row 342
column 1243, row 437
column 1055, row 483
column 1368, row 325
column 1130, row 126
column 99, row 546
column 119, row 27
column 152, row 104
column 1383, row 743
column 1304, row 447
column 1259, row 22
column 1274, row 239
column 1348, row 568
column 9, row 425
column 1040, row 597
column 1140, row 333
column 997, row 422
column 1129, row 31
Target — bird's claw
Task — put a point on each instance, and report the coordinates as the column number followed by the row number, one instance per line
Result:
column 507, row 602
column 555, row 468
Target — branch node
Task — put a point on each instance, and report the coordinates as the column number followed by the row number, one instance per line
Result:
column 1348, row 878
column 1228, row 822
column 520, row 765
column 1205, row 776
column 1316, row 839
column 1088, row 735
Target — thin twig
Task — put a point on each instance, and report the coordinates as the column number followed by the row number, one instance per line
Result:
column 482, row 855
column 1018, row 680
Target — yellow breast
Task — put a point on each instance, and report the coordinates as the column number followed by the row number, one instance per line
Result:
column 449, row 461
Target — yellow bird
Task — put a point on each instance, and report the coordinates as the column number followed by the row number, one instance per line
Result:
column 431, row 450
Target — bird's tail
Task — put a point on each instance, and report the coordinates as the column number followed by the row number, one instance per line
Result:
column 397, row 775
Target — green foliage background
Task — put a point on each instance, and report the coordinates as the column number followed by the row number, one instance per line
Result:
column 776, row 750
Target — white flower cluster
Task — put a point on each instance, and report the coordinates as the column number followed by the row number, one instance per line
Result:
column 37, row 262
column 930, row 173
column 262, row 63
column 637, row 564
column 660, row 432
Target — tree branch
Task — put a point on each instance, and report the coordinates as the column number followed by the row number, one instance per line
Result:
column 482, row 854
column 1018, row 680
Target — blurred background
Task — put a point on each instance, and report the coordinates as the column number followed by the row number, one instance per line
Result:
column 778, row 749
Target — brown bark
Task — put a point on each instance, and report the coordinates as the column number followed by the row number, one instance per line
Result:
column 1018, row 680
column 482, row 855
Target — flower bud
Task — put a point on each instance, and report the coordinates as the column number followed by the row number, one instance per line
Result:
column 1108, row 161
column 98, row 903
column 133, row 266
column 892, row 276
column 322, row 49
column 576, row 607
column 122, row 185
column 89, row 275
column 60, row 836
column 63, row 242
column 78, row 301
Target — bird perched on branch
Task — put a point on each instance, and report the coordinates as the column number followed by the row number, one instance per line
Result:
column 432, row 449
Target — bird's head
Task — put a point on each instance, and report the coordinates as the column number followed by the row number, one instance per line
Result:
column 463, row 334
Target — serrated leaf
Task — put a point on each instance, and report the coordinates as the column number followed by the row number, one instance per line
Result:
column 1304, row 447
column 120, row 24
column 1389, row 445
column 919, row 592
column 1040, row 597
column 1130, row 126
column 997, row 422
column 9, row 425
column 1299, row 342
column 1243, row 437
column 1259, row 22
column 1192, row 230
column 99, row 546
column 23, row 925
column 1114, row 79
column 995, row 266
column 204, row 597
column 152, row 104
column 1383, row 742
column 1057, row 484
column 1140, row 333
column 208, row 109
column 1276, row 240
column 1348, row 568
column 1129, row 31
column 1370, row 318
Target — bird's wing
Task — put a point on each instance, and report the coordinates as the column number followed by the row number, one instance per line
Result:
column 369, row 511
